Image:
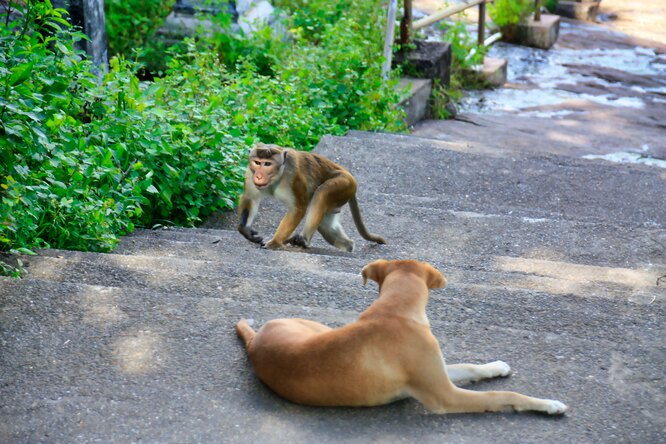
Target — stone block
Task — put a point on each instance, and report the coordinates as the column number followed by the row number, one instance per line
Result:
column 257, row 15
column 191, row 16
column 542, row 34
column 492, row 73
column 581, row 10
column 416, row 98
column 427, row 60
column 178, row 25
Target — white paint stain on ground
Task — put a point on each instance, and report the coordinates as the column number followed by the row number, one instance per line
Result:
column 532, row 220
column 629, row 157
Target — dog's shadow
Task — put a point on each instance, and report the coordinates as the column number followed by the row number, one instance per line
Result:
column 404, row 417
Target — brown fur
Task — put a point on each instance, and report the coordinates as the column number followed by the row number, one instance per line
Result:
column 387, row 354
column 312, row 186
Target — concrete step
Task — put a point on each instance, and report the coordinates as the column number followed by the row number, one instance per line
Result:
column 484, row 301
column 538, row 316
column 432, row 230
column 416, row 99
column 547, row 270
column 217, row 252
column 564, row 187
column 106, row 355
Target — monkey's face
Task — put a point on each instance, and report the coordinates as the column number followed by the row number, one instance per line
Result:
column 267, row 164
column 264, row 171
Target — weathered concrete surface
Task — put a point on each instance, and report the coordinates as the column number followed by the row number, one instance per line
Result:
column 594, row 93
column 548, row 270
column 542, row 34
column 556, row 264
column 416, row 100
column 427, row 60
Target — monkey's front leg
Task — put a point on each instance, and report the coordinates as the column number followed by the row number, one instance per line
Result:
column 247, row 211
column 287, row 226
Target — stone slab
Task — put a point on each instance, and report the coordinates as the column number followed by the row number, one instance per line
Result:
column 428, row 60
column 493, row 72
column 416, row 100
column 579, row 10
column 539, row 34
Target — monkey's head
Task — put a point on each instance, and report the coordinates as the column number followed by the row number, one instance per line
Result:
column 267, row 164
column 379, row 269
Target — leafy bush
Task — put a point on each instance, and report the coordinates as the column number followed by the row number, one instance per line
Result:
column 333, row 61
column 130, row 22
column 465, row 49
column 550, row 5
column 506, row 13
column 82, row 163
column 84, row 160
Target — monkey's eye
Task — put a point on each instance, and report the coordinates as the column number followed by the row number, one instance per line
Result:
column 268, row 164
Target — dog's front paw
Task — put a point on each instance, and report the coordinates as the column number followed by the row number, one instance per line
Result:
column 498, row 368
column 555, row 407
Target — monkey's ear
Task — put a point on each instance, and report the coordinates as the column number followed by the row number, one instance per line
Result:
column 374, row 271
column 435, row 278
column 284, row 155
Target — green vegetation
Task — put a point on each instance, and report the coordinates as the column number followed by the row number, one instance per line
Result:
column 507, row 13
column 130, row 23
column 85, row 160
column 550, row 5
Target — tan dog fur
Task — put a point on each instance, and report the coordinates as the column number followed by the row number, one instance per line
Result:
column 389, row 353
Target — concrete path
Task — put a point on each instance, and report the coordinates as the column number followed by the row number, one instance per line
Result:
column 556, row 264
column 596, row 93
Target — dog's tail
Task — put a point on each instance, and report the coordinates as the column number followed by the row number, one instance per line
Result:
column 245, row 332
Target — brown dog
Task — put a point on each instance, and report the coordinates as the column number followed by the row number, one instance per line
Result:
column 389, row 353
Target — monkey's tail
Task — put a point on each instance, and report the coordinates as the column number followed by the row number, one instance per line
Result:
column 245, row 332
column 360, row 226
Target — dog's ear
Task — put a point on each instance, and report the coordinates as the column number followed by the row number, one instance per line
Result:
column 375, row 271
column 435, row 279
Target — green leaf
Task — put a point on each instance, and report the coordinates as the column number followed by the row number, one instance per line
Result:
column 25, row 251
column 21, row 73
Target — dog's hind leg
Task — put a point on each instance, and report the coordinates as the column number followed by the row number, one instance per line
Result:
column 431, row 385
column 464, row 373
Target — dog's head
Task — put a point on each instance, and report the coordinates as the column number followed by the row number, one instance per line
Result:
column 379, row 269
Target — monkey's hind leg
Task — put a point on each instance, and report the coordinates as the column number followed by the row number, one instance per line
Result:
column 327, row 199
column 331, row 229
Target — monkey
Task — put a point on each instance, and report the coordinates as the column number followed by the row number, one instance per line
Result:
column 311, row 186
